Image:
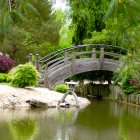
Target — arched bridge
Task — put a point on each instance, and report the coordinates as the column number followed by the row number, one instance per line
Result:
column 59, row 65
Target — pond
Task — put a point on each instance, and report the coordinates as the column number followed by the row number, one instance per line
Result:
column 102, row 120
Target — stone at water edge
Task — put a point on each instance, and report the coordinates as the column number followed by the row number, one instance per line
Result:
column 65, row 104
column 36, row 103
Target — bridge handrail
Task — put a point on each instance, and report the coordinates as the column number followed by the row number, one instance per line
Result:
column 62, row 59
column 61, row 51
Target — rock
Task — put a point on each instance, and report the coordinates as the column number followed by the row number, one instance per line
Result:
column 37, row 104
column 65, row 104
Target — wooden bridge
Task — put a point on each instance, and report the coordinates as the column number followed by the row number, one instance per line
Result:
column 64, row 63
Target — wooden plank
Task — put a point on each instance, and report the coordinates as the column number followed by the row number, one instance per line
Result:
column 81, row 66
column 101, row 59
column 94, row 53
column 73, row 63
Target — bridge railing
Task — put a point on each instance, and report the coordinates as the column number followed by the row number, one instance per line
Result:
column 86, row 47
column 82, row 51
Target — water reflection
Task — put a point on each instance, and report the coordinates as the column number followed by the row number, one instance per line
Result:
column 129, row 127
column 57, row 123
column 24, row 129
column 98, row 121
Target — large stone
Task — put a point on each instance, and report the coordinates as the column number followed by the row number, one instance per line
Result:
column 37, row 103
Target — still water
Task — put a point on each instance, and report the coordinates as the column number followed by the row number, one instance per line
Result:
column 102, row 120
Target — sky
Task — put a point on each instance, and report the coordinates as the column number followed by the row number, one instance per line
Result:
column 60, row 4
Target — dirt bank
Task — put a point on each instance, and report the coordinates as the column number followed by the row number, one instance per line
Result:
column 11, row 97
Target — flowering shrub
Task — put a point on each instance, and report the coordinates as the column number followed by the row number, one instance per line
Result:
column 134, row 83
column 131, row 86
column 6, row 64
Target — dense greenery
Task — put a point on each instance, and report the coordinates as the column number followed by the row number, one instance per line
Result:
column 61, row 88
column 29, row 26
column 122, row 16
column 3, row 77
column 67, row 31
column 24, row 75
column 87, row 16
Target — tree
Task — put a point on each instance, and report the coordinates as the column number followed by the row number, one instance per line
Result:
column 87, row 16
column 123, row 20
column 32, row 27
column 67, row 31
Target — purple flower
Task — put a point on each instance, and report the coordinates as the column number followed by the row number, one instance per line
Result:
column 6, row 64
column 133, row 82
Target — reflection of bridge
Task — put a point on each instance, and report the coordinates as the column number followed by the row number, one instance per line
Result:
column 67, row 62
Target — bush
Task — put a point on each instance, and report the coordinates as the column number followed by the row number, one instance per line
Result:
column 6, row 64
column 3, row 77
column 24, row 75
column 61, row 88
column 10, row 75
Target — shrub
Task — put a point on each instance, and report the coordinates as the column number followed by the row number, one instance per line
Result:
column 3, row 77
column 6, row 64
column 24, row 75
column 61, row 88
column 10, row 75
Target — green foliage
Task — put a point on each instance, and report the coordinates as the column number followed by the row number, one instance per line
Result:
column 127, row 71
column 61, row 88
column 87, row 16
column 3, row 77
column 29, row 26
column 24, row 75
column 103, row 37
column 10, row 75
column 122, row 20
column 66, row 31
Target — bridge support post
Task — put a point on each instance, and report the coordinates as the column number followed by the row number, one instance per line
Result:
column 65, row 58
column 46, row 83
column 94, row 53
column 101, row 59
column 37, row 62
column 30, row 58
column 73, row 63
